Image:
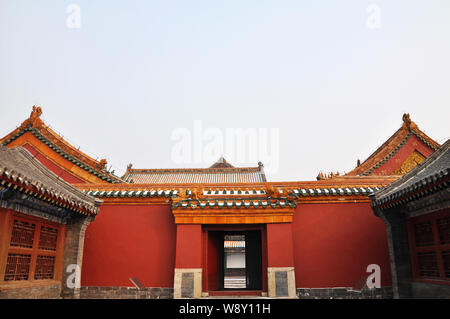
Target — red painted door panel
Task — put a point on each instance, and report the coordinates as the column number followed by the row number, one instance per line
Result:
column 215, row 241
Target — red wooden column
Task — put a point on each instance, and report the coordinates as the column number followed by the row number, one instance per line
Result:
column 280, row 261
column 188, row 262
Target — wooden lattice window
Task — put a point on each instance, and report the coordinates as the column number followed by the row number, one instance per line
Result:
column 17, row 267
column 429, row 237
column 47, row 238
column 22, row 234
column 45, row 267
column 428, row 264
column 446, row 259
column 444, row 230
column 423, row 234
column 34, row 250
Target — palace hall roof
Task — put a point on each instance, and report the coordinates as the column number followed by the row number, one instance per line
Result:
column 19, row 170
column 221, row 182
column 430, row 175
column 34, row 130
column 350, row 187
column 219, row 173
column 392, row 146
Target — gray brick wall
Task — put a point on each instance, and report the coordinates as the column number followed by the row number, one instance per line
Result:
column 125, row 293
column 37, row 292
column 73, row 252
column 344, row 293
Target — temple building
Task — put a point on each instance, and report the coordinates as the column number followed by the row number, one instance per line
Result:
column 42, row 224
column 416, row 210
column 217, row 231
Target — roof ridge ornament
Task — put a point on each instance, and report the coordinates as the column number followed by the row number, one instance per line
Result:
column 410, row 125
column 34, row 120
column 35, row 113
column 221, row 163
column 102, row 164
column 272, row 192
column 331, row 175
column 193, row 193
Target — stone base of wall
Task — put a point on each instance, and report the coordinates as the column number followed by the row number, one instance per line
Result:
column 344, row 293
column 281, row 282
column 430, row 291
column 187, row 283
column 125, row 293
column 37, row 292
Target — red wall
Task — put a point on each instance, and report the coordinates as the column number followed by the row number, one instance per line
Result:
column 279, row 245
column 211, row 276
column 68, row 177
column 189, row 246
column 130, row 241
column 334, row 244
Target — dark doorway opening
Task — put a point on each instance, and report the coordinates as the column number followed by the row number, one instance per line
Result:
column 235, row 260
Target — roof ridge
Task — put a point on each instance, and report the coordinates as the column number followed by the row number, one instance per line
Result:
column 35, row 125
column 25, row 153
column 387, row 149
column 417, row 169
column 34, row 166
column 415, row 182
column 188, row 170
column 221, row 163
column 222, row 174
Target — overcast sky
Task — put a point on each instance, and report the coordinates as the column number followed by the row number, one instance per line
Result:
column 329, row 80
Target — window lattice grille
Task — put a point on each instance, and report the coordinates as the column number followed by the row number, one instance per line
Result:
column 45, row 267
column 428, row 265
column 446, row 259
column 17, row 267
column 423, row 234
column 22, row 234
column 444, row 230
column 47, row 238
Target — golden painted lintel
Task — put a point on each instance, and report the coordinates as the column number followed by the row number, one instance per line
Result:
column 232, row 219
column 232, row 216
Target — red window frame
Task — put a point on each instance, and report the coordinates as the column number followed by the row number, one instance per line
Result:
column 37, row 253
column 435, row 247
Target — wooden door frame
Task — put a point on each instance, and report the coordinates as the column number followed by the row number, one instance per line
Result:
column 234, row 228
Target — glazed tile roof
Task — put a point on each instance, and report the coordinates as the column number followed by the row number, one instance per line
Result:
column 212, row 175
column 54, row 141
column 235, row 203
column 221, row 163
column 431, row 174
column 232, row 192
column 334, row 191
column 132, row 193
column 392, row 146
column 20, row 170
